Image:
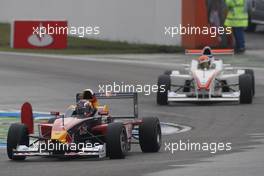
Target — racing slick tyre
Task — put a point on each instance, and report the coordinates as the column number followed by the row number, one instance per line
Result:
column 187, row 86
column 246, row 91
column 251, row 72
column 52, row 120
column 17, row 135
column 116, row 141
column 164, row 82
column 225, row 87
column 167, row 72
column 150, row 135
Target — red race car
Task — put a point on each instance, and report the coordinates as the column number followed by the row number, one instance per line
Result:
column 76, row 134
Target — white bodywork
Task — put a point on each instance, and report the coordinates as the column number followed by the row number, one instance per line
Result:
column 205, row 84
column 98, row 151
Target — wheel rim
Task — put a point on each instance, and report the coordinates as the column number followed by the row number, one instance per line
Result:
column 158, row 138
column 158, row 135
column 123, row 141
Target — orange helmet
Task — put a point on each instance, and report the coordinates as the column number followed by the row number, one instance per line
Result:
column 203, row 59
column 204, row 62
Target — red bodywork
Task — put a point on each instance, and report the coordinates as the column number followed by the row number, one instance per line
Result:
column 27, row 117
column 207, row 84
column 45, row 129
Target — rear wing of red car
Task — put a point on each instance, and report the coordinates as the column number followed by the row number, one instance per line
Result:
column 27, row 117
column 213, row 52
column 111, row 95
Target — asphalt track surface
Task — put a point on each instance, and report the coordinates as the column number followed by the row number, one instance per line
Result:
column 51, row 83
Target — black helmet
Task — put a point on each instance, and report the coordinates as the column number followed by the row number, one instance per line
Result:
column 83, row 108
column 88, row 94
column 207, row 51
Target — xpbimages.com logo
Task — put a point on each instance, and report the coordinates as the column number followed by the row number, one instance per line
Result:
column 212, row 147
column 213, row 31
column 80, row 31
column 51, row 146
column 126, row 88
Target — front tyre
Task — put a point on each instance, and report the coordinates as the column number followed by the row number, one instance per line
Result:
column 164, row 84
column 17, row 135
column 116, row 141
column 150, row 135
column 251, row 72
column 246, row 91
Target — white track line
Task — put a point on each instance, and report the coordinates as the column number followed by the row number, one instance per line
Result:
column 110, row 60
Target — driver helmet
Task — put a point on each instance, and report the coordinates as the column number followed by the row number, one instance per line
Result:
column 84, row 108
column 87, row 94
column 207, row 51
column 204, row 62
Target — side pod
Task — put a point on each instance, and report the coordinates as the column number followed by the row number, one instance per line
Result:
column 27, row 117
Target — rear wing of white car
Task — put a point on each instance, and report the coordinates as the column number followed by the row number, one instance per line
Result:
column 213, row 52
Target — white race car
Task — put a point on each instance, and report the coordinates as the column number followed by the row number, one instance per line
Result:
column 212, row 82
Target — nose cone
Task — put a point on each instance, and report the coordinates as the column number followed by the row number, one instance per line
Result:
column 204, row 78
column 59, row 132
column 60, row 136
column 60, row 129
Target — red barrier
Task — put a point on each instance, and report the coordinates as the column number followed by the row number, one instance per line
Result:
column 195, row 13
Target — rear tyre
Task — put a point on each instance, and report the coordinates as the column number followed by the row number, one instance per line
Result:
column 164, row 84
column 52, row 120
column 187, row 86
column 116, row 141
column 167, row 72
column 225, row 87
column 251, row 72
column 150, row 135
column 245, row 86
column 17, row 135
